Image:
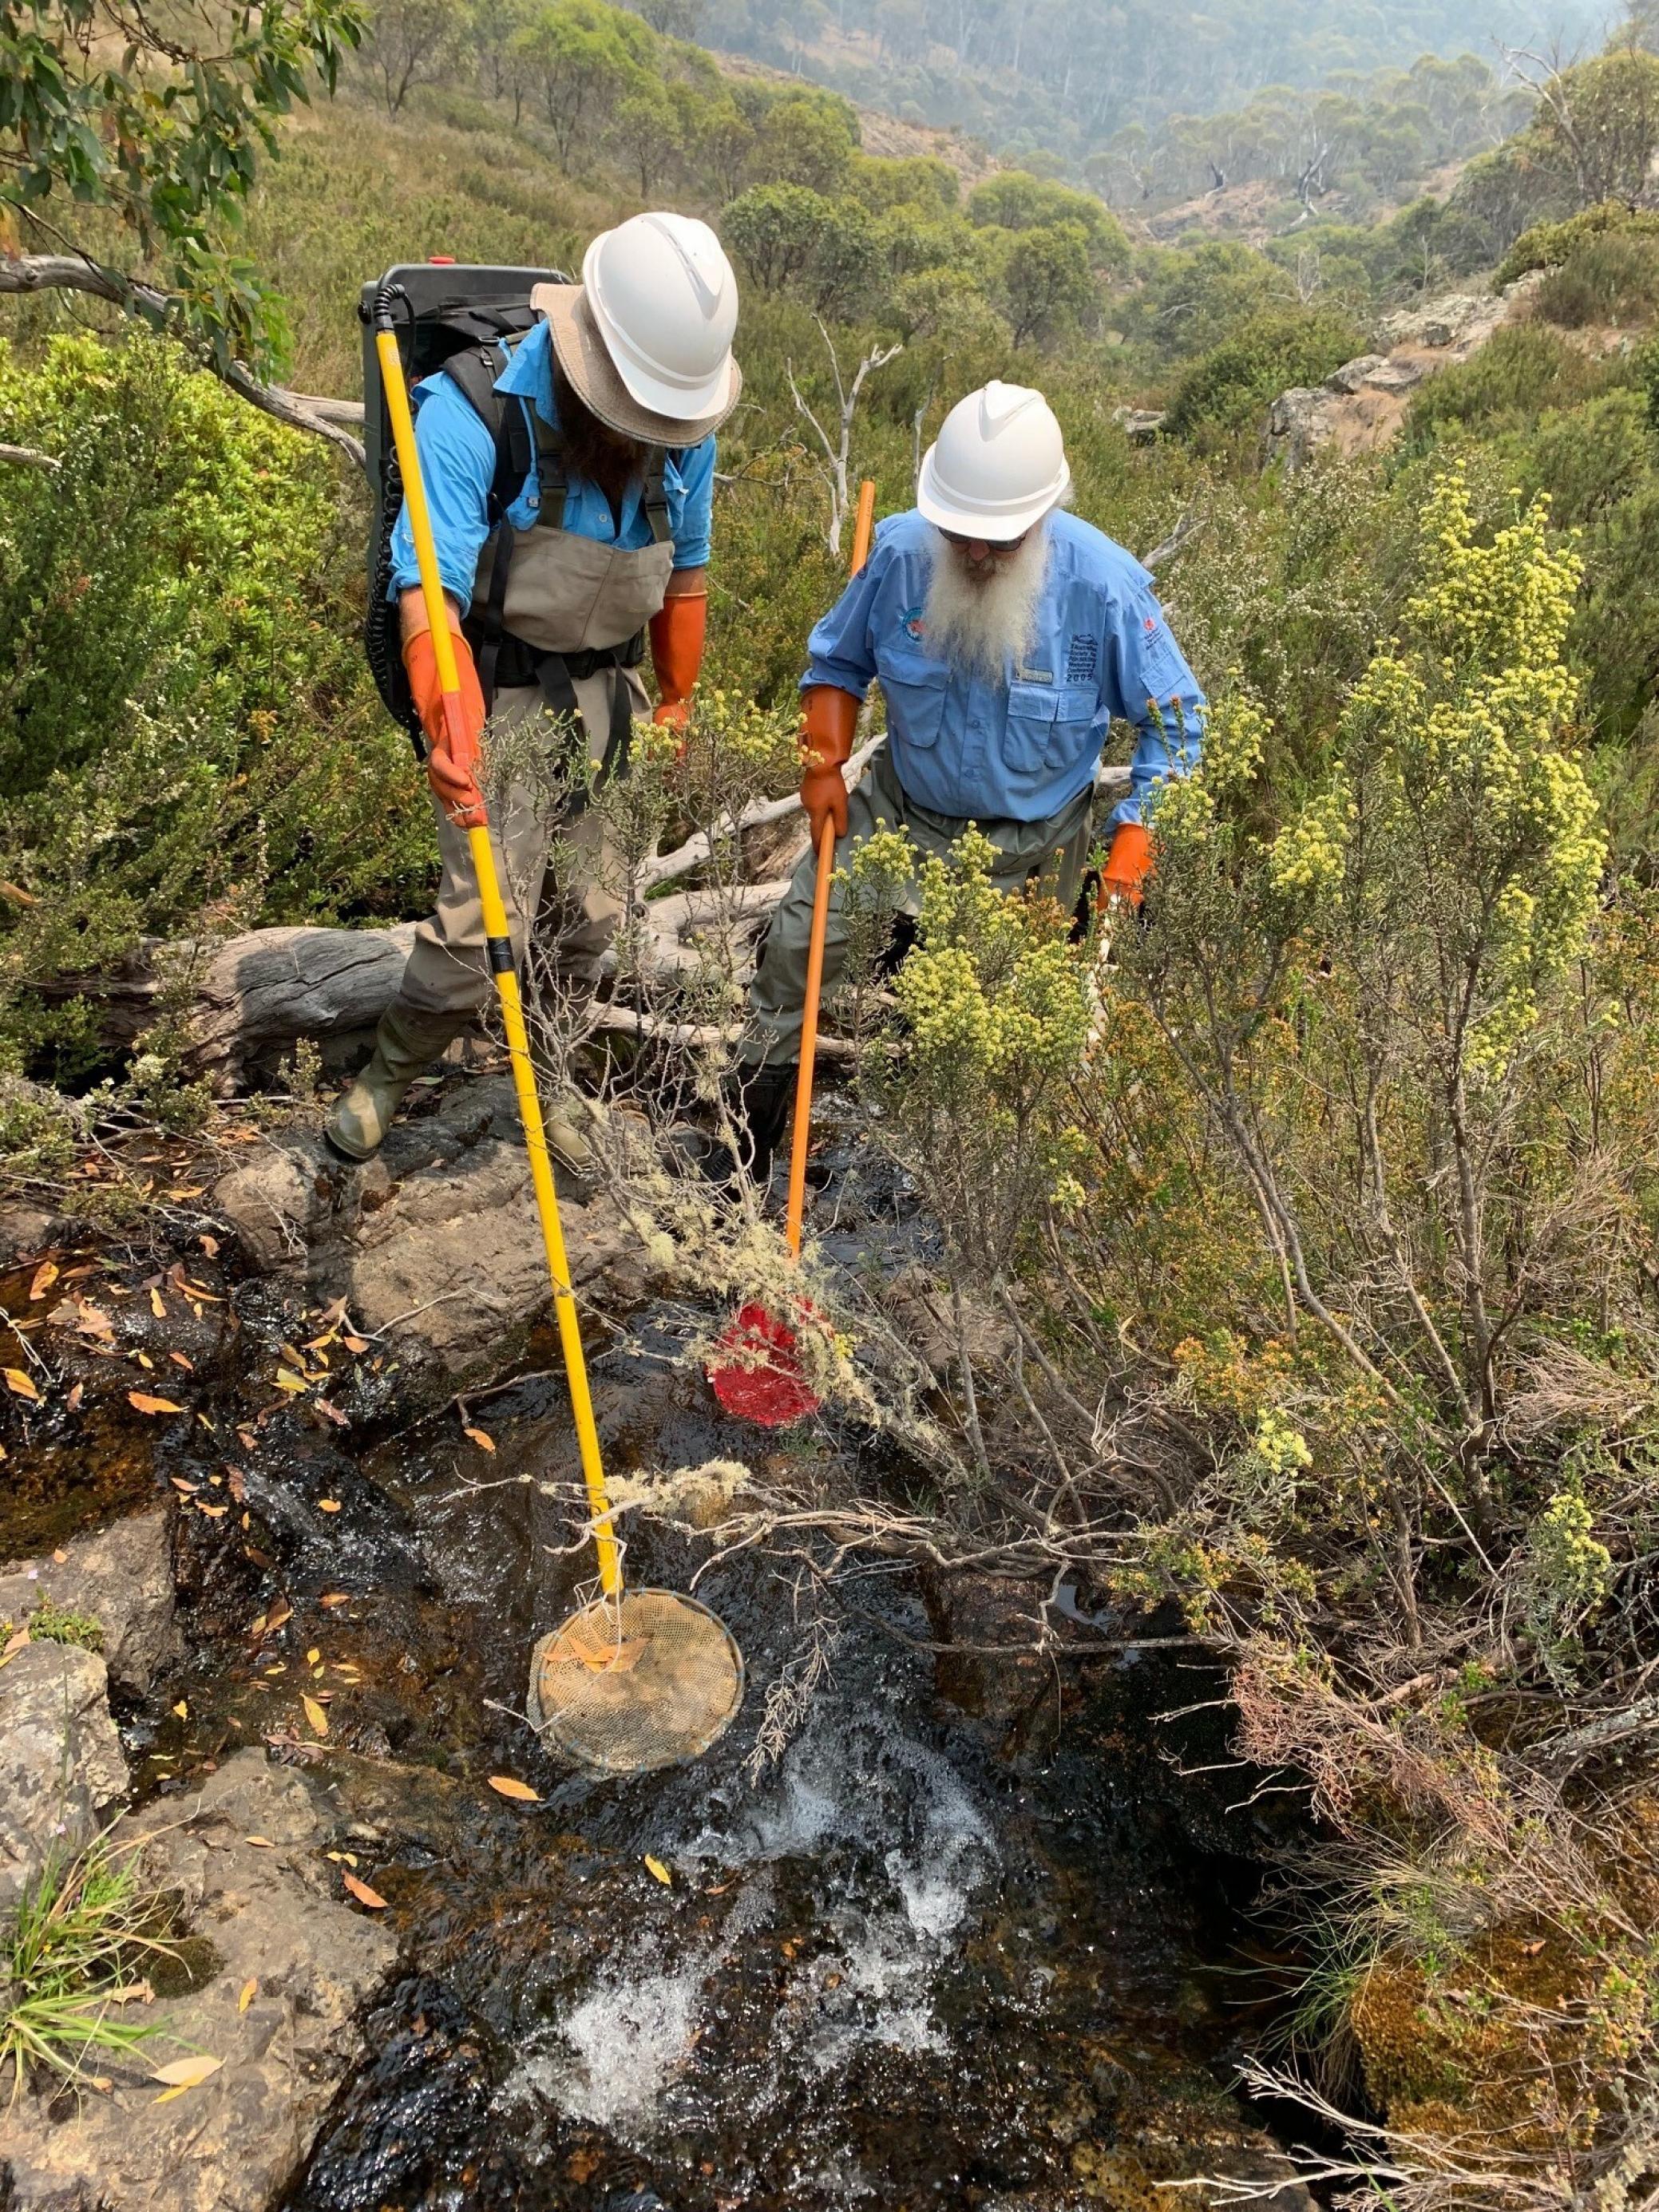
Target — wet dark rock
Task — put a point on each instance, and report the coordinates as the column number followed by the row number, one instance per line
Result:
column 61, row 1763
column 436, row 1238
column 121, row 1577
column 24, row 1230
column 232, row 2143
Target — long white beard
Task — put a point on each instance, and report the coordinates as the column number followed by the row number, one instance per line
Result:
column 982, row 627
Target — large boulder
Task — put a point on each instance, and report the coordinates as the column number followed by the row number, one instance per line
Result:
column 122, row 1578
column 436, row 1238
column 61, row 1763
column 281, row 1978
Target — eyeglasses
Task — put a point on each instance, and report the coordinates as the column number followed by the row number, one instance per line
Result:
column 991, row 544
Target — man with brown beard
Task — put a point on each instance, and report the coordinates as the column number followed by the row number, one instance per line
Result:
column 1007, row 635
column 552, row 582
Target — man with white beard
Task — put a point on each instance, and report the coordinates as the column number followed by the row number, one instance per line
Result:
column 1007, row 635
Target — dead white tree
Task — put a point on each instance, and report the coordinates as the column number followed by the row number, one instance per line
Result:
column 833, row 468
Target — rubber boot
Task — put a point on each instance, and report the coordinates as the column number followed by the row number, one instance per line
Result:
column 759, row 1100
column 407, row 1041
column 563, row 1114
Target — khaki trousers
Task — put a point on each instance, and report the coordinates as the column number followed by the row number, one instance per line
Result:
column 574, row 920
column 1051, row 853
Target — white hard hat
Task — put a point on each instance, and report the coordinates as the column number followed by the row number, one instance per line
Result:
column 664, row 300
column 997, row 466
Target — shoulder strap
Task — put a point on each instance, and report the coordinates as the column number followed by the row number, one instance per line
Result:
column 474, row 373
column 656, row 497
column 554, row 477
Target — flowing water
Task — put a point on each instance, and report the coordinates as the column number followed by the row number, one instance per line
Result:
column 967, row 1942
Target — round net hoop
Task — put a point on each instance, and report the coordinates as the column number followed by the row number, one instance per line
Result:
column 622, row 1687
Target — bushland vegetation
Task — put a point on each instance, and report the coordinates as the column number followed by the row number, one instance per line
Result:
column 1297, row 1250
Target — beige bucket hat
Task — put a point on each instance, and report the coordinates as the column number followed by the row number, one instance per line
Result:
column 594, row 377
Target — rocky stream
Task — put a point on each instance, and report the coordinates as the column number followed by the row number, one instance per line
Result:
column 297, row 1443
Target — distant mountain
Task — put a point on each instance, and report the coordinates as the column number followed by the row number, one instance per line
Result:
column 1064, row 76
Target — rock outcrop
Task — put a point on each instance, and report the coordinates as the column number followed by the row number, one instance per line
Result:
column 279, row 1981
column 122, row 1578
column 436, row 1238
column 1361, row 404
column 61, row 1763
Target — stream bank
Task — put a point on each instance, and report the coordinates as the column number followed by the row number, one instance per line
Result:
column 969, row 1941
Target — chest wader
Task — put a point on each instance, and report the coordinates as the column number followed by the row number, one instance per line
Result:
column 557, row 622
column 557, row 628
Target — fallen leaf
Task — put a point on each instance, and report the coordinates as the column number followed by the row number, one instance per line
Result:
column 158, row 1305
column 332, row 1598
column 363, row 1894
column 316, row 1715
column 45, row 1276
column 77, row 1391
column 182, row 1710
column 331, row 1413
column 178, row 1483
column 483, row 1440
column 328, row 1505
column 312, row 1656
column 280, row 1612
column 213, row 1512
column 133, row 1993
column 261, row 1843
column 61, row 1558
column 355, row 1343
column 520, row 1792
column 250, row 1991
column 14, row 1643
column 189, row 1366
column 208, row 1244
column 286, row 1380
column 19, row 1383
column 141, row 1402
column 342, row 1858
column 601, row 1658
column 658, row 1871
column 185, row 2073
column 146, row 1361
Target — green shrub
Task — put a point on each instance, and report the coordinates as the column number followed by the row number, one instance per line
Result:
column 1548, row 245
column 1613, row 278
column 1524, row 369
column 1267, row 354
column 188, row 735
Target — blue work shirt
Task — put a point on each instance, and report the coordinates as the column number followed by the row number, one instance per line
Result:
column 1023, row 748
column 458, row 464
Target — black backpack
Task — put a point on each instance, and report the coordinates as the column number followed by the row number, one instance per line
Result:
column 454, row 317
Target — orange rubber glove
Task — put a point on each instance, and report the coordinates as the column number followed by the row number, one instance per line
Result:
column 453, row 776
column 832, row 721
column 677, row 628
column 1128, row 865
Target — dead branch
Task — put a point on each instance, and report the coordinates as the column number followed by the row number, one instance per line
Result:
column 27, row 273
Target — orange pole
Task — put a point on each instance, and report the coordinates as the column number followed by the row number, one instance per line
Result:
column 809, row 1028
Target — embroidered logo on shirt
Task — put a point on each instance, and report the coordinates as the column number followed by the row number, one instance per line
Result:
column 911, row 623
column 1082, row 657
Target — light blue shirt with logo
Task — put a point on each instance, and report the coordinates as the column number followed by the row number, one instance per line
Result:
column 458, row 464
column 1023, row 748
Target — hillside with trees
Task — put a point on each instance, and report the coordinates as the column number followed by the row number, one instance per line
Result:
column 1284, row 1295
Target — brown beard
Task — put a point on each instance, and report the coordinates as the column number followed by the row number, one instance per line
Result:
column 600, row 456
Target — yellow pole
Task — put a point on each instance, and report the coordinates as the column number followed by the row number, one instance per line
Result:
column 809, row 1023
column 499, row 942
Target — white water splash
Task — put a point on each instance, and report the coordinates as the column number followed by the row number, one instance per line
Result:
column 616, row 2053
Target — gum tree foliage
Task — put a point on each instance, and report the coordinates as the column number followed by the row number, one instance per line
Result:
column 160, row 118
column 413, row 42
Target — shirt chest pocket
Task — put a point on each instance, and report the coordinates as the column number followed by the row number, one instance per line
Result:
column 915, row 689
column 1047, row 725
